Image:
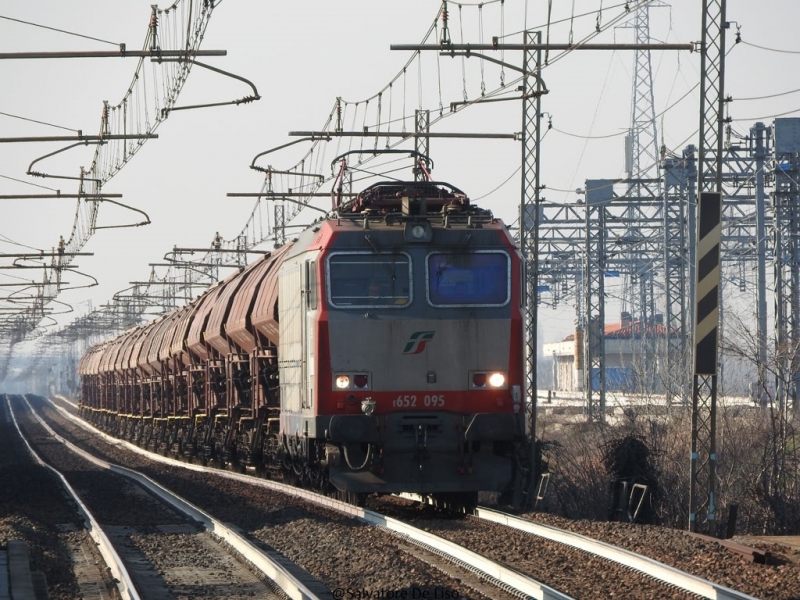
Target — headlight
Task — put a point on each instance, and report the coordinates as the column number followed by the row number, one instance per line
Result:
column 497, row 380
column 482, row 380
column 417, row 232
column 352, row 381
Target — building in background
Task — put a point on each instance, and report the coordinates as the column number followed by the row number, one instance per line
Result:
column 624, row 349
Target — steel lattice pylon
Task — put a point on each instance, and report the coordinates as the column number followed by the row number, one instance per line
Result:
column 666, row 237
column 422, row 144
column 786, row 205
column 599, row 193
column 280, row 224
column 529, row 235
column 759, row 136
column 702, row 509
column 712, row 70
column 642, row 166
column 643, row 161
column 679, row 179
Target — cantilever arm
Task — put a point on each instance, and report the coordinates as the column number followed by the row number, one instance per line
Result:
column 244, row 100
column 145, row 222
column 312, row 138
column 37, row 174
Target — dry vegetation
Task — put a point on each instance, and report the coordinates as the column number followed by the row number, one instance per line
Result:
column 757, row 467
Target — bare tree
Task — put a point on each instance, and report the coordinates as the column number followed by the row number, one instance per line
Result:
column 771, row 434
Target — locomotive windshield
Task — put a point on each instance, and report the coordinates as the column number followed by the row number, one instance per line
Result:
column 475, row 279
column 357, row 280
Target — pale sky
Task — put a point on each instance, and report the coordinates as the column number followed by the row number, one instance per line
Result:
column 301, row 56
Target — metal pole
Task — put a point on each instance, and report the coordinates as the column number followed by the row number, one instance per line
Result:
column 704, row 390
column 422, row 142
column 758, row 133
column 446, row 48
column 121, row 53
column 598, row 194
column 405, row 134
column 529, row 238
column 79, row 138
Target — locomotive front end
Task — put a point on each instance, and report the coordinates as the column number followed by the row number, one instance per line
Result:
column 420, row 345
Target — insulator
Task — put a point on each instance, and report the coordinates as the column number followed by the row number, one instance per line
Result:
column 445, row 31
column 154, row 28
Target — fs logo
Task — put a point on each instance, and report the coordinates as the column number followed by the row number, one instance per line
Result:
column 416, row 343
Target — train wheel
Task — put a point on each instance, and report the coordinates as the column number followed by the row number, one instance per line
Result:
column 456, row 502
column 354, row 498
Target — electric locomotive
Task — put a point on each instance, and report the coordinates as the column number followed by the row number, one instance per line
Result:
column 380, row 352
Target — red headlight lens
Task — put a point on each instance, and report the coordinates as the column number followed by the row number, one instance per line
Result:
column 479, row 380
column 360, row 381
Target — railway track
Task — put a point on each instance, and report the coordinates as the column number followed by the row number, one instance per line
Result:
column 643, row 564
column 415, row 568
column 483, row 576
column 606, row 581
column 155, row 544
column 37, row 511
column 538, row 534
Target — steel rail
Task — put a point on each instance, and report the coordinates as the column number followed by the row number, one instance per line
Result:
column 114, row 563
column 500, row 575
column 637, row 562
column 261, row 560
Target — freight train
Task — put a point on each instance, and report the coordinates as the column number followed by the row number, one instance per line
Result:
column 381, row 351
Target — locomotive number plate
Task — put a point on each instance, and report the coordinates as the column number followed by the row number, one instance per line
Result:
column 413, row 401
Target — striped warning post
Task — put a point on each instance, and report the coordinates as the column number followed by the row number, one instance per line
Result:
column 708, row 280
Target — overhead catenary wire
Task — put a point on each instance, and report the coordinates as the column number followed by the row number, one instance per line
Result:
column 778, row 50
column 56, row 29
column 764, row 117
column 394, row 118
column 416, row 56
column 624, row 132
column 29, row 120
column 44, row 187
column 110, row 157
column 569, row 19
column 768, row 96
